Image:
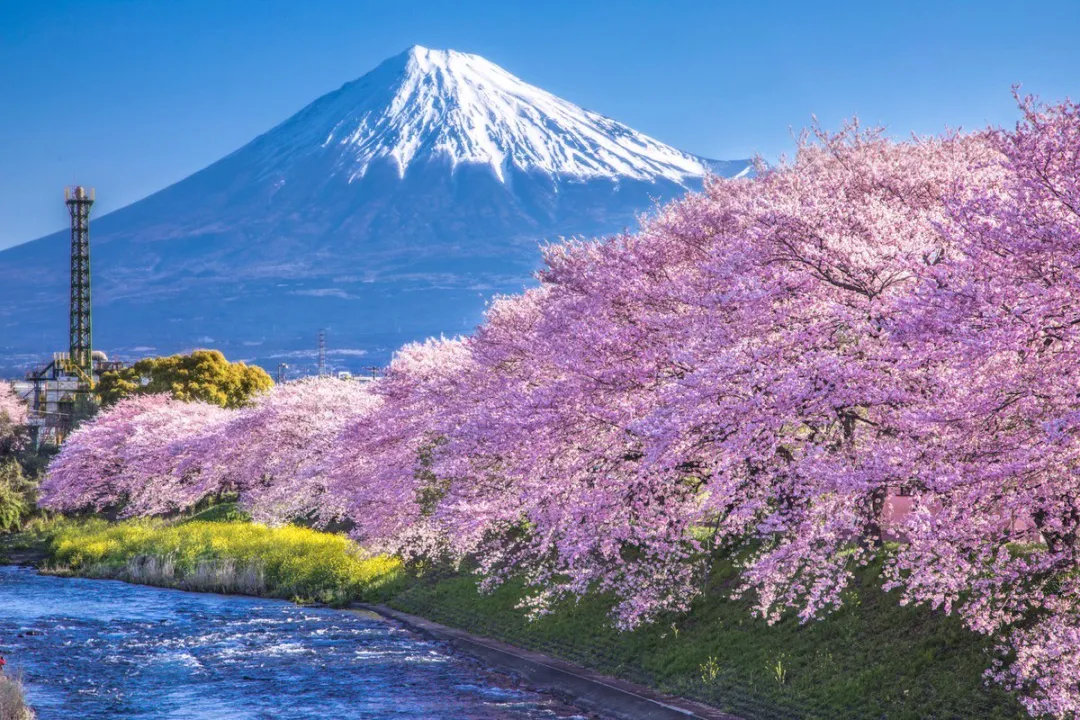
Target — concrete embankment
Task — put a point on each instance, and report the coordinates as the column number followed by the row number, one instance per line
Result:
column 576, row 685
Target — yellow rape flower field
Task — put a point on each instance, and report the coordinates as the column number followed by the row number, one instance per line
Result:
column 290, row 562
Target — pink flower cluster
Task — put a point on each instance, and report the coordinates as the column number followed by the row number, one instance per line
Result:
column 761, row 371
column 13, row 408
column 138, row 458
column 153, row 455
column 13, row 416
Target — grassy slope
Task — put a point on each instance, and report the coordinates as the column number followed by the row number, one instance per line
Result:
column 873, row 659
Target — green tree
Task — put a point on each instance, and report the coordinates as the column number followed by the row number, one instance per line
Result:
column 203, row 375
column 16, row 495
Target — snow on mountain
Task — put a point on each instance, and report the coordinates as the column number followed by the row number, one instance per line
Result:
column 388, row 210
column 453, row 105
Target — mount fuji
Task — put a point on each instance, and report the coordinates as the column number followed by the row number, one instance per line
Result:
column 388, row 210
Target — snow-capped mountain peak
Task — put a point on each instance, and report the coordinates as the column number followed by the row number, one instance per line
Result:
column 387, row 211
column 442, row 104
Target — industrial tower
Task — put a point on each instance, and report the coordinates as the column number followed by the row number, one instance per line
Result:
column 61, row 392
column 80, row 330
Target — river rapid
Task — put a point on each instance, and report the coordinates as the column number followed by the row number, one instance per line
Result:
column 90, row 649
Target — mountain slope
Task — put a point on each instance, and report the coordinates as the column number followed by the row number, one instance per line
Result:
column 388, row 210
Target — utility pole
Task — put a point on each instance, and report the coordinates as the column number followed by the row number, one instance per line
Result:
column 322, row 353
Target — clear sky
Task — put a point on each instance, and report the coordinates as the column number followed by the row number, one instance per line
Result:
column 132, row 95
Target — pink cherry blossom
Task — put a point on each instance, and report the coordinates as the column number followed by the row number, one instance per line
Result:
column 760, row 371
column 13, row 417
column 273, row 452
column 135, row 458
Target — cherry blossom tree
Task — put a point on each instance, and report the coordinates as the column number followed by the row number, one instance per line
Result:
column 380, row 473
column 13, row 417
column 719, row 369
column 135, row 458
column 273, row 452
column 791, row 405
column 996, row 332
column 12, row 407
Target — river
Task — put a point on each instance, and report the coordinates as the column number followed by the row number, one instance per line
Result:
column 93, row 649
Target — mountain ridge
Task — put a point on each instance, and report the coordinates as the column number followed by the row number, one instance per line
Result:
column 387, row 210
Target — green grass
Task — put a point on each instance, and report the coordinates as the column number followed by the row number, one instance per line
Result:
column 217, row 512
column 227, row 556
column 872, row 659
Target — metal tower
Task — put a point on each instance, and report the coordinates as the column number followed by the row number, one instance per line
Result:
column 281, row 368
column 322, row 353
column 80, row 329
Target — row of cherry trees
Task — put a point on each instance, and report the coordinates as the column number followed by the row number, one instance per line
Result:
column 759, row 371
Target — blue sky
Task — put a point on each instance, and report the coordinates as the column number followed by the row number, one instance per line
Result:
column 132, row 95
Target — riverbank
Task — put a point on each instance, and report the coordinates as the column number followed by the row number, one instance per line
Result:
column 872, row 659
column 587, row 689
column 12, row 702
column 105, row 649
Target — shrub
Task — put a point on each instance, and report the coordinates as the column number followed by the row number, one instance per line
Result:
column 16, row 501
column 12, row 702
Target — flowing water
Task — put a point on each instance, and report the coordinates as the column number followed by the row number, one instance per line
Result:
column 102, row 649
